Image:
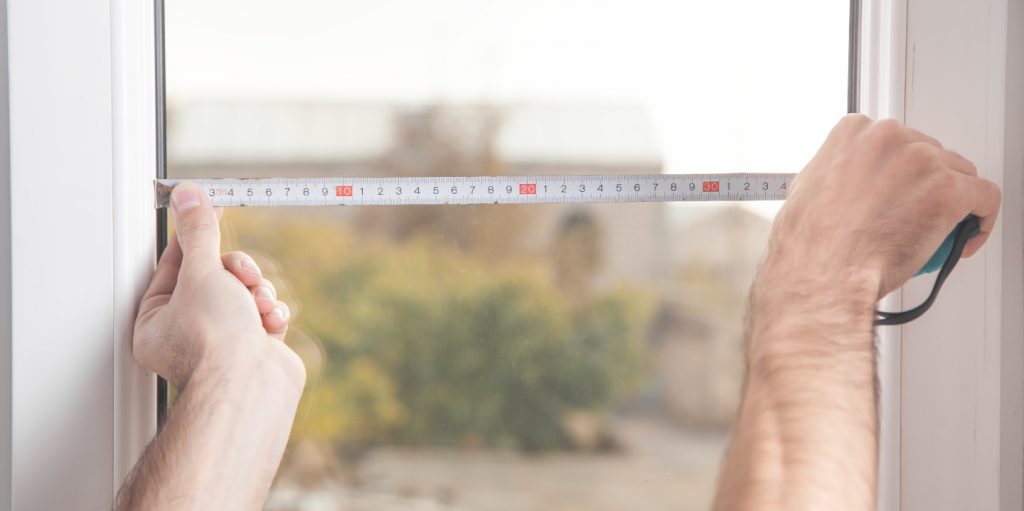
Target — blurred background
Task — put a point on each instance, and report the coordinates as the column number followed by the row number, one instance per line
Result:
column 499, row 358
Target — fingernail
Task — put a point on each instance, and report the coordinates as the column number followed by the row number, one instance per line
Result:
column 265, row 293
column 278, row 313
column 185, row 198
column 250, row 266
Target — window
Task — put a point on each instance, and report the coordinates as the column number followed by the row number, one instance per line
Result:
column 505, row 357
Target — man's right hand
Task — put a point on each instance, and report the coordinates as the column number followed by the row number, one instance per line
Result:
column 877, row 200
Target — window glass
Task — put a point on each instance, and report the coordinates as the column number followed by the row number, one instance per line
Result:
column 492, row 358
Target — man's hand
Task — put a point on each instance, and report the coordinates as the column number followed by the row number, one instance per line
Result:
column 864, row 215
column 212, row 325
column 207, row 312
column 876, row 201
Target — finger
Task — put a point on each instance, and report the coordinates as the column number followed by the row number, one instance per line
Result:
column 276, row 321
column 265, row 296
column 983, row 199
column 242, row 267
column 166, row 275
column 196, row 229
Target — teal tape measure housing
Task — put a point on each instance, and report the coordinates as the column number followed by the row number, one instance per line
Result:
column 940, row 256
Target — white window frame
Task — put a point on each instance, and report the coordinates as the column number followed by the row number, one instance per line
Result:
column 952, row 382
column 79, row 249
column 881, row 64
column 961, row 370
column 75, row 412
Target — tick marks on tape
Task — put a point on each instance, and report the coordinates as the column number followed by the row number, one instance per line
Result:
column 395, row 191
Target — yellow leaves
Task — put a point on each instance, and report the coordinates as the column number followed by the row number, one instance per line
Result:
column 358, row 405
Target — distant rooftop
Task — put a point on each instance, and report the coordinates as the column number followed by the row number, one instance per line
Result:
column 202, row 133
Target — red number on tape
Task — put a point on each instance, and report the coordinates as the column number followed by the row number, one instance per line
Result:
column 711, row 186
column 343, row 191
column 528, row 189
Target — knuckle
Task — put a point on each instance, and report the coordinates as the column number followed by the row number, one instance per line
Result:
column 921, row 156
column 855, row 119
column 968, row 165
column 928, row 138
column 948, row 181
column 888, row 129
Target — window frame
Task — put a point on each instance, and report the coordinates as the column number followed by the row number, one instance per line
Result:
column 958, row 389
column 81, row 129
column 909, row 73
column 138, row 129
column 881, row 65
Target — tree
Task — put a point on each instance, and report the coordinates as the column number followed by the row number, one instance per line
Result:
column 427, row 345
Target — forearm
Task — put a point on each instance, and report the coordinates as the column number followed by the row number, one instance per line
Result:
column 221, row 445
column 806, row 435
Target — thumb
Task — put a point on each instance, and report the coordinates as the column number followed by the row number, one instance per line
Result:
column 196, row 228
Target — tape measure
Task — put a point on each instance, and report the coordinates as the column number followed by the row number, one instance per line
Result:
column 395, row 191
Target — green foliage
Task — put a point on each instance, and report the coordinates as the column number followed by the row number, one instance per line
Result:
column 426, row 345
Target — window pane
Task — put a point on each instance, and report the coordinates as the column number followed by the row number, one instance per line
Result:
column 505, row 357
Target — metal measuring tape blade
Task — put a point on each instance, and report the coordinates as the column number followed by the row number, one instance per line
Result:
column 394, row 191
